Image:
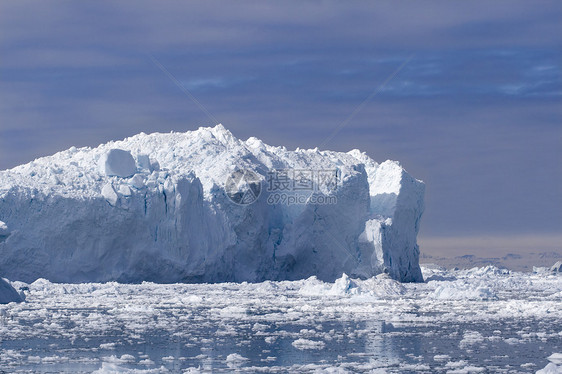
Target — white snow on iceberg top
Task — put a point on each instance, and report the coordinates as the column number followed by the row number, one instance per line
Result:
column 154, row 207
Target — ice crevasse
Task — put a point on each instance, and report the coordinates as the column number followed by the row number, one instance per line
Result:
column 159, row 208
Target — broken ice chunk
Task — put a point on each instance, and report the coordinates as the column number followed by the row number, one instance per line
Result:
column 124, row 190
column 109, row 194
column 117, row 162
column 137, row 181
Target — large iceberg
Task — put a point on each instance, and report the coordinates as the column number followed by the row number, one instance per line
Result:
column 204, row 206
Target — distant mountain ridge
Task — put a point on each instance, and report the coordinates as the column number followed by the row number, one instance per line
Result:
column 511, row 261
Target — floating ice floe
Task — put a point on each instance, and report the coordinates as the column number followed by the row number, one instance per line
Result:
column 379, row 286
column 235, row 360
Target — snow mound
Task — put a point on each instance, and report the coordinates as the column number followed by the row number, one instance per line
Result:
column 120, row 163
column 341, row 287
column 381, row 286
column 235, row 360
column 463, row 291
column 157, row 208
column 8, row 294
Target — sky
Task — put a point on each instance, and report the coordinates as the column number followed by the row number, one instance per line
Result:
column 475, row 111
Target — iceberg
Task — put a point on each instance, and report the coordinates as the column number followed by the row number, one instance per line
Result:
column 204, row 206
column 8, row 294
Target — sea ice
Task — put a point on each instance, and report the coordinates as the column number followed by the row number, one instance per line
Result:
column 304, row 344
column 381, row 326
column 235, row 360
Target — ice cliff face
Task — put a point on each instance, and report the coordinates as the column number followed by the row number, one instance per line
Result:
column 159, row 208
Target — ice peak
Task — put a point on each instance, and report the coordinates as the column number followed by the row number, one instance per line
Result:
column 220, row 131
column 219, row 128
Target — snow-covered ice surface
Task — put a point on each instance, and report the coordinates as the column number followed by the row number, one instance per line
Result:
column 465, row 321
column 154, row 208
